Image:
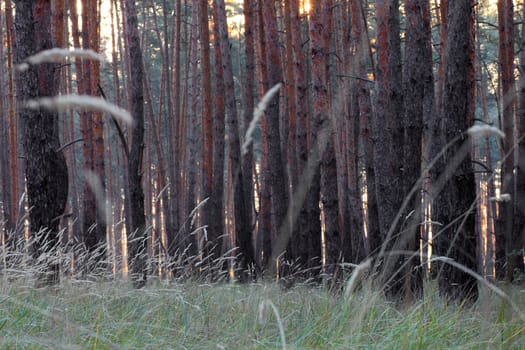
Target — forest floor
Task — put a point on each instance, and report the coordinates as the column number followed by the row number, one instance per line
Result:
column 113, row 315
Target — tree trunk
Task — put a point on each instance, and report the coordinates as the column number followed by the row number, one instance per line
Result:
column 519, row 221
column 137, row 235
column 307, row 240
column 319, row 46
column 13, row 125
column 276, row 166
column 453, row 179
column 507, row 228
column 248, row 96
column 46, row 169
column 93, row 128
column 418, row 88
column 388, row 147
column 212, row 247
column 264, row 224
column 217, row 198
column 241, row 207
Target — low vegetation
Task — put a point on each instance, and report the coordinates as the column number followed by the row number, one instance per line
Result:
column 79, row 314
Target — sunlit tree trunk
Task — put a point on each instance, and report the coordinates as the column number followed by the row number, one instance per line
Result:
column 98, row 128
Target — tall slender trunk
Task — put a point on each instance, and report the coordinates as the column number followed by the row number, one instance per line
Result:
column 320, row 21
column 174, row 159
column 248, row 98
column 276, row 165
column 518, row 248
column 507, row 228
column 306, row 239
column 13, row 125
column 137, row 238
column 418, row 92
column 212, row 247
column 453, row 187
column 46, row 169
column 388, row 148
column 241, row 208
column 264, row 225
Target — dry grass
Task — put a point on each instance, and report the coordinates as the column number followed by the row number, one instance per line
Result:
column 93, row 310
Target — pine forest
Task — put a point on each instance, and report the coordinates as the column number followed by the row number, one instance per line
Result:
column 300, row 141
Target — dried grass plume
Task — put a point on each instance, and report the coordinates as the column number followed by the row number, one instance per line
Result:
column 485, row 130
column 57, row 55
column 257, row 114
column 68, row 102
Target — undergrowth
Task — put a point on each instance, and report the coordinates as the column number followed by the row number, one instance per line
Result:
column 91, row 309
column 78, row 314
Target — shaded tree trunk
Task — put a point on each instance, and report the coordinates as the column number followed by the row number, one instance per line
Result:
column 46, row 169
column 248, row 96
column 13, row 125
column 388, row 147
column 418, row 88
column 264, row 224
column 137, row 235
column 217, row 198
column 243, row 237
column 320, row 28
column 308, row 240
column 453, row 186
column 519, row 219
column 509, row 232
column 276, row 166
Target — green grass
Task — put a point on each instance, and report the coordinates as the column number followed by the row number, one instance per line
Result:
column 112, row 315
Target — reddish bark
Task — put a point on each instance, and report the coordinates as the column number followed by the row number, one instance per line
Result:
column 320, row 28
column 13, row 127
column 519, row 221
column 276, row 166
column 264, row 239
column 508, row 232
